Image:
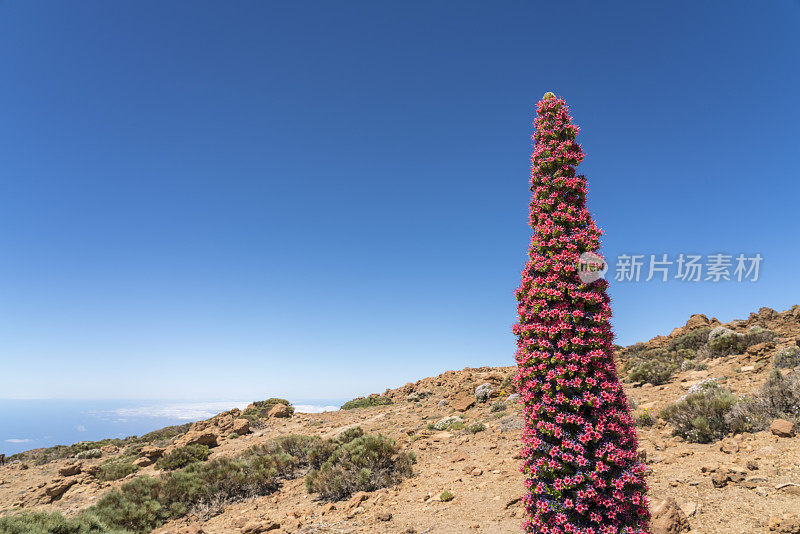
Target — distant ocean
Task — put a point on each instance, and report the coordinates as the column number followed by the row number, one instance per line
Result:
column 30, row 424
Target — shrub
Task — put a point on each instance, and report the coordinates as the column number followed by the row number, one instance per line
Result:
column 508, row 384
column 452, row 422
column 778, row 397
column 787, row 358
column 53, row 523
column 91, row 453
column 699, row 417
column 723, row 341
column 477, row 427
column 483, row 392
column 692, row 340
column 644, row 419
column 498, row 406
column 367, row 402
column 352, row 462
column 183, row 456
column 655, row 366
column 117, row 468
column 162, row 435
column 446, row 496
column 145, row 503
column 418, row 395
column 258, row 411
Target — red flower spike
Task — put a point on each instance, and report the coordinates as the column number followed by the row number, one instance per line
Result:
column 579, row 453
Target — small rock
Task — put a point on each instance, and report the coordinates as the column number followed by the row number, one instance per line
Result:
column 689, row 508
column 477, row 472
column 719, row 479
column 729, row 446
column 357, row 499
column 384, row 516
column 782, row 428
column 667, row 518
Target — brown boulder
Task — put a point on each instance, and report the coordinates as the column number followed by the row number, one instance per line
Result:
column 782, row 428
column 697, row 320
column 144, row 461
column 152, row 452
column 59, row 488
column 280, row 410
column 767, row 313
column 92, row 469
column 463, row 401
column 241, row 426
column 70, row 470
column 667, row 518
column 202, row 437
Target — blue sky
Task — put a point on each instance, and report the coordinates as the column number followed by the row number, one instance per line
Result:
column 317, row 199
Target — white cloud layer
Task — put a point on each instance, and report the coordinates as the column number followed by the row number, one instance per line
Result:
column 312, row 408
column 188, row 411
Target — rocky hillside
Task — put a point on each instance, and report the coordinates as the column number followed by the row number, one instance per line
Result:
column 717, row 429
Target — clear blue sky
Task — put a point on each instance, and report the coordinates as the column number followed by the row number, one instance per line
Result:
column 324, row 199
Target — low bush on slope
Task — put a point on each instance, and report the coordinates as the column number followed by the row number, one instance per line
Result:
column 367, row 402
column 710, row 411
column 350, row 462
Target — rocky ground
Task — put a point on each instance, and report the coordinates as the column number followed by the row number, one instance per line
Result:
column 746, row 483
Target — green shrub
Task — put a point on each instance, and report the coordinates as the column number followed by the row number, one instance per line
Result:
column 183, row 456
column 367, row 402
column 446, row 496
column 477, row 427
column 91, row 453
column 117, row 468
column 43, row 456
column 699, row 417
column 507, row 384
column 259, row 410
column 135, row 506
column 89, row 449
column 723, row 341
column 788, row 358
column 53, row 523
column 644, row 419
column 778, row 397
column 145, row 503
column 655, row 366
column 452, row 422
column 692, row 340
column 356, row 462
column 498, row 406
column 162, row 435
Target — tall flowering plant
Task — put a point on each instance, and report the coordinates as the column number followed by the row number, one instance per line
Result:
column 579, row 441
